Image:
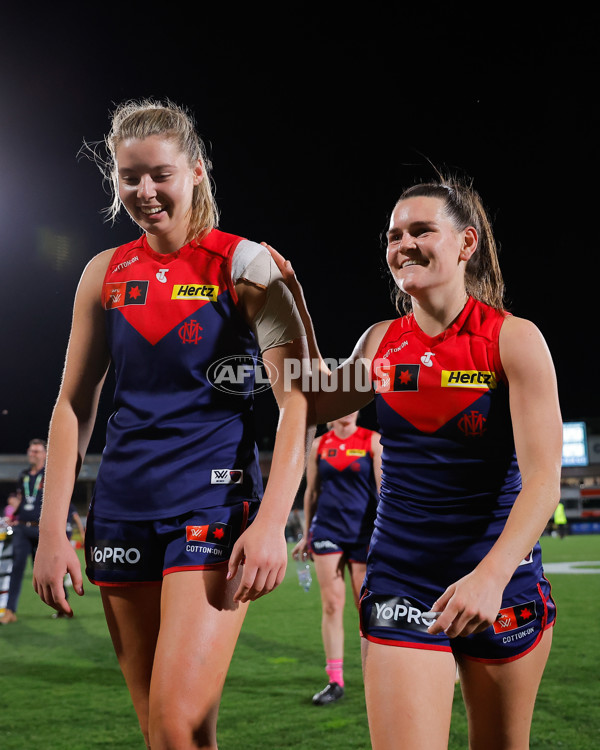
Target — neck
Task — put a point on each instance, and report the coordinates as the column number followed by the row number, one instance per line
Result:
column 344, row 431
column 434, row 315
column 165, row 244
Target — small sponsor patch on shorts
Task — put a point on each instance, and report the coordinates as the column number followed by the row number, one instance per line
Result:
column 321, row 544
column 212, row 533
column 512, row 618
column 226, row 476
column 398, row 611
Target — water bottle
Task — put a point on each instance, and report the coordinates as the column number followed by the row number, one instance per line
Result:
column 304, row 577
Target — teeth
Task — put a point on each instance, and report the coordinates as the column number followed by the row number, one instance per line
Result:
column 151, row 210
column 410, row 263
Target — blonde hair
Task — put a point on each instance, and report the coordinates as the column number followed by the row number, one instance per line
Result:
column 464, row 207
column 146, row 117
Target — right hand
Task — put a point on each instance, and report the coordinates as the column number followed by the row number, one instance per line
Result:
column 262, row 552
column 54, row 559
column 302, row 550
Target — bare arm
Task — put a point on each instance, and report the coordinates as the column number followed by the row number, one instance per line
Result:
column 376, row 449
column 311, row 496
column 70, row 431
column 472, row 604
column 346, row 388
column 263, row 545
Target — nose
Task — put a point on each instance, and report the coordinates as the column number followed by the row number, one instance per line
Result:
column 146, row 188
column 407, row 242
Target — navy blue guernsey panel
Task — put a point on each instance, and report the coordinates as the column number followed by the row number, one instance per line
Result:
column 348, row 494
column 174, row 442
column 449, row 470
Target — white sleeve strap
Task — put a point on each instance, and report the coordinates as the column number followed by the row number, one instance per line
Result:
column 278, row 321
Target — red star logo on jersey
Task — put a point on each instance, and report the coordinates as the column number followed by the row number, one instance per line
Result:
column 218, row 533
column 405, row 377
column 134, row 292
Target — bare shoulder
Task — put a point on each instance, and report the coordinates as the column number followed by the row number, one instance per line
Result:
column 369, row 342
column 99, row 263
column 94, row 272
column 522, row 346
column 375, row 441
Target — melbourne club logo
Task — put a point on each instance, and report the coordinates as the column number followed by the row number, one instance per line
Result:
column 189, row 333
column 472, row 424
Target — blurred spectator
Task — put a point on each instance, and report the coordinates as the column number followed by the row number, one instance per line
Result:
column 25, row 521
column 12, row 503
column 560, row 522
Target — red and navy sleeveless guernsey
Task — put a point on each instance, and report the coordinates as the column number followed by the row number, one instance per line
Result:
column 175, row 442
column 449, row 469
column 347, row 500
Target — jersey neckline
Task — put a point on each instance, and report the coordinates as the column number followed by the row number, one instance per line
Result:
column 168, row 257
column 447, row 333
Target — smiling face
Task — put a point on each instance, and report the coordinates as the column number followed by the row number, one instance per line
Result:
column 156, row 184
column 425, row 249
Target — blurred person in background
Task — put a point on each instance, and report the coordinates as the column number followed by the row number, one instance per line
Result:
column 25, row 521
column 343, row 475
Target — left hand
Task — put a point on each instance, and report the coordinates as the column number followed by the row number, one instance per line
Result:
column 262, row 552
column 470, row 605
column 302, row 550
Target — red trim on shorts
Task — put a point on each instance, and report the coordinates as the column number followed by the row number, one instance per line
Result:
column 245, row 519
column 545, row 600
column 125, row 583
column 406, row 644
column 180, row 568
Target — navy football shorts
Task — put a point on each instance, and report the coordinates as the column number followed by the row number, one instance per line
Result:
column 397, row 620
column 353, row 552
column 131, row 552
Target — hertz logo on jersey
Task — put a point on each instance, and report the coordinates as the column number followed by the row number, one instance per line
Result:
column 479, row 379
column 208, row 292
column 356, row 452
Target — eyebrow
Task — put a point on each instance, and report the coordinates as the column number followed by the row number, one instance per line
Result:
column 153, row 169
column 413, row 225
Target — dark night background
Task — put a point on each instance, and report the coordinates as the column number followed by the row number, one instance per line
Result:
column 314, row 126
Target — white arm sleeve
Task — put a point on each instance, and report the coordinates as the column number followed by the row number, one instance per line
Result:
column 278, row 321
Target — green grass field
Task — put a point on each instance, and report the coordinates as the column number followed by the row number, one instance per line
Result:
column 60, row 685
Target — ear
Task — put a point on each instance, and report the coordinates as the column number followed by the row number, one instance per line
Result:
column 198, row 173
column 469, row 244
